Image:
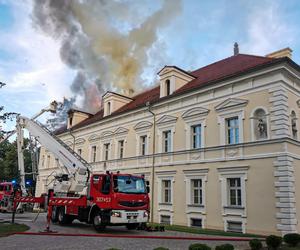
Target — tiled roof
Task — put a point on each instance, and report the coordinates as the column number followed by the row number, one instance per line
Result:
column 220, row 70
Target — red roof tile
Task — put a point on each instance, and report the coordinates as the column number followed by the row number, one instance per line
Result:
column 228, row 67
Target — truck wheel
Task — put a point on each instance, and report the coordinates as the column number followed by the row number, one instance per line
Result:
column 97, row 222
column 62, row 217
column 54, row 215
column 132, row 226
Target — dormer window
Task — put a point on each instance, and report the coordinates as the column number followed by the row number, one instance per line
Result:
column 168, row 87
column 108, row 108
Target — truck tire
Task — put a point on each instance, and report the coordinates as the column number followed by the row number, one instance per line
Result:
column 132, row 226
column 54, row 215
column 97, row 222
column 63, row 218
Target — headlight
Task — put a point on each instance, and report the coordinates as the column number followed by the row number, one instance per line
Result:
column 146, row 214
column 116, row 214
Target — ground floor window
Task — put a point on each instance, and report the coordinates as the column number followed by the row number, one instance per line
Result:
column 234, row 226
column 196, row 222
column 165, row 219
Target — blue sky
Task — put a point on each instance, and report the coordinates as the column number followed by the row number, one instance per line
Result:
column 202, row 33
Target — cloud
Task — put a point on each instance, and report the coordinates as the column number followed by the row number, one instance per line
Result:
column 268, row 29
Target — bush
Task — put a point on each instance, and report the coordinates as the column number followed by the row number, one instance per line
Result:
column 225, row 247
column 161, row 248
column 198, row 246
column 291, row 239
column 255, row 244
column 273, row 241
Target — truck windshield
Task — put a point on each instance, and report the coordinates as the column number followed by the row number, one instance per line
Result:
column 129, row 184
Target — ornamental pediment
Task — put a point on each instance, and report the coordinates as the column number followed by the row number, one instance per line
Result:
column 143, row 125
column 231, row 103
column 94, row 137
column 194, row 112
column 166, row 119
column 79, row 141
column 121, row 130
column 106, row 134
column 69, row 143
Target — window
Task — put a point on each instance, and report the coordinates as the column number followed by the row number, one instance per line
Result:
column 94, row 153
column 294, row 125
column 196, row 136
column 232, row 130
column 196, row 191
column 260, row 124
column 234, row 192
column 48, row 161
column 165, row 219
column 196, row 222
column 166, row 191
column 168, row 87
column 121, row 149
column 106, row 151
column 235, row 226
column 108, row 108
column 143, row 144
column 167, row 141
column 79, row 151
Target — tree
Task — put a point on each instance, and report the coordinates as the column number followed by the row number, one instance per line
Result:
column 59, row 119
column 4, row 116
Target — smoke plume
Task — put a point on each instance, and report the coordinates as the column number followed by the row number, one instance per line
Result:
column 106, row 42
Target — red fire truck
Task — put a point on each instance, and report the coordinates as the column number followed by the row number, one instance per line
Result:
column 100, row 199
column 6, row 191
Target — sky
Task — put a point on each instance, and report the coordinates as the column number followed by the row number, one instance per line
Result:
column 202, row 33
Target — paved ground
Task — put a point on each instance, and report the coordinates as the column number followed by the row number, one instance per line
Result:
column 79, row 242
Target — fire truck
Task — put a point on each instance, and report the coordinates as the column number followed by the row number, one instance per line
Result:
column 6, row 191
column 100, row 199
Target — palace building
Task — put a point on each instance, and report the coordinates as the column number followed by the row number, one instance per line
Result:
column 219, row 145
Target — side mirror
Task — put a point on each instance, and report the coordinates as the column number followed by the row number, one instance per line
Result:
column 148, row 189
column 116, row 190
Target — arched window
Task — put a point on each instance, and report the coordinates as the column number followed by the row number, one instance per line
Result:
column 260, row 125
column 294, row 125
column 108, row 108
column 168, row 87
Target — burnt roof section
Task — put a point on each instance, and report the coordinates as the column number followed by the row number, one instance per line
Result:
column 227, row 68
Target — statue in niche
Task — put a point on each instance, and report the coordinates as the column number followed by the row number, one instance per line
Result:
column 262, row 128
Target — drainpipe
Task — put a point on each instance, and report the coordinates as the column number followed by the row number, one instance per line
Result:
column 70, row 131
column 153, row 160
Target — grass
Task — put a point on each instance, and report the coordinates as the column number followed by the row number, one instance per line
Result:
column 206, row 231
column 7, row 229
column 285, row 247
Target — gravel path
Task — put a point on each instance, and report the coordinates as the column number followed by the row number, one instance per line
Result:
column 78, row 242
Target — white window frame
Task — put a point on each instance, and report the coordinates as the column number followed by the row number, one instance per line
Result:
column 91, row 153
column 161, row 130
column 121, row 137
column 143, row 145
column 223, row 126
column 252, row 121
column 119, row 156
column 165, row 175
column 104, row 150
column 139, row 133
column 233, row 172
column 228, row 128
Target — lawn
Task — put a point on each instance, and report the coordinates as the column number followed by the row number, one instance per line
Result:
column 206, row 231
column 7, row 229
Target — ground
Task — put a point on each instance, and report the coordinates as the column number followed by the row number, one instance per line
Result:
column 104, row 242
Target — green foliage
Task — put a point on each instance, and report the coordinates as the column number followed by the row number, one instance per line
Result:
column 273, row 241
column 161, row 248
column 198, row 246
column 8, row 229
column 225, row 247
column 9, row 160
column 255, row 244
column 292, row 239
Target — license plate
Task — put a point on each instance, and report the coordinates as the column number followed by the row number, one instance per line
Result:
column 132, row 221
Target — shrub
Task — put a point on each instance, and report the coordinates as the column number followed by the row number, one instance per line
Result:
column 255, row 244
column 225, row 247
column 161, row 248
column 291, row 239
column 198, row 246
column 273, row 241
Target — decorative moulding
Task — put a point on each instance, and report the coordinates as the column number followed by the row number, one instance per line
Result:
column 166, row 119
column 198, row 111
column 106, row 134
column 231, row 103
column 121, row 130
column 94, row 138
column 79, row 141
column 143, row 125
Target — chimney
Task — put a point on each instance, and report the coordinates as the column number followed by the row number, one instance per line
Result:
column 236, row 49
column 286, row 52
